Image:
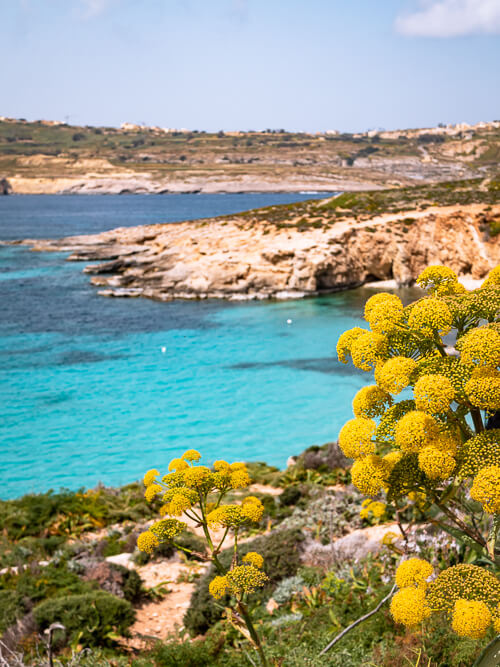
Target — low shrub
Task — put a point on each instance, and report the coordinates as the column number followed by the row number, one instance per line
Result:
column 91, row 619
column 12, row 607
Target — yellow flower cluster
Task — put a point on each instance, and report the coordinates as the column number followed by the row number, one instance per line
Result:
column 151, row 491
column 253, row 558
column 246, row 579
column 345, row 342
column 384, row 312
column 480, row 347
column 413, row 572
column 167, row 529
column 430, row 316
column 416, row 430
column 483, row 388
column 493, row 278
column 433, row 393
column 394, row 375
column 241, row 579
column 463, row 581
column 355, row 437
column 367, row 349
column 150, row 477
column 435, row 463
column 374, row 507
column 409, row 606
column 370, row 402
column 218, row 587
column 387, row 426
column 471, row 618
column 232, row 516
column 178, row 501
column 369, row 474
column 486, row 489
column 481, row 451
column 191, row 455
column 440, row 281
column 177, row 465
column 147, row 542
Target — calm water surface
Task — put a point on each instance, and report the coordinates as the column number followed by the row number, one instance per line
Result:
column 95, row 389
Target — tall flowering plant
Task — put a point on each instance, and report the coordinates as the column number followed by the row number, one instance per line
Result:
column 196, row 492
column 439, row 448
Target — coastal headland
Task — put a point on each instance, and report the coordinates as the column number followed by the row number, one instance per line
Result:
column 50, row 157
column 302, row 249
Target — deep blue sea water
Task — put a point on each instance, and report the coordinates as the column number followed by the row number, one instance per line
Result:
column 95, row 389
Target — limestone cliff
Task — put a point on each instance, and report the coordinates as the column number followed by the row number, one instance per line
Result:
column 237, row 258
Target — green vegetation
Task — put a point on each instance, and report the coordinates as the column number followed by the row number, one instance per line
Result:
column 312, row 593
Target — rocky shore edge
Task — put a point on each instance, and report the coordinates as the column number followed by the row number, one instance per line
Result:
column 246, row 256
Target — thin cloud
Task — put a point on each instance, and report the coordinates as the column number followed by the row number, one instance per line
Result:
column 91, row 8
column 451, row 18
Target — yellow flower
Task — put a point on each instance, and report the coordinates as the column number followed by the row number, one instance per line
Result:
column 191, row 455
column 469, row 582
column 150, row 476
column 151, row 491
column 239, row 479
column 167, row 529
column 245, row 579
column 355, row 437
column 177, row 465
column 409, row 607
column 496, row 621
column 229, row 516
column 493, row 278
column 394, row 375
column 252, row 509
column 481, row 346
column 483, row 389
column 392, row 458
column 197, row 477
column 480, row 452
column 415, row 430
column 433, row 393
column 439, row 280
column 179, row 504
column 221, row 466
column 486, row 489
column 217, row 587
column 253, row 558
column 147, row 542
column 375, row 507
column 471, row 618
column 367, row 349
column 383, row 312
column 430, row 315
column 387, row 427
column 238, row 465
column 435, row 463
column 345, row 342
column 389, row 538
column 369, row 474
column 370, row 402
column 413, row 572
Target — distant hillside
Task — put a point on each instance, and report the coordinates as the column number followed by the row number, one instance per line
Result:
column 46, row 157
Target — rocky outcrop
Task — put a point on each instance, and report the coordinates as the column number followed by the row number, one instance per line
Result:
column 233, row 258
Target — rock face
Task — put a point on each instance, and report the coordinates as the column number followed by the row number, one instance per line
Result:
column 233, row 258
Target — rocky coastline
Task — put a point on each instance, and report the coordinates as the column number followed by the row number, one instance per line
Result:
column 246, row 256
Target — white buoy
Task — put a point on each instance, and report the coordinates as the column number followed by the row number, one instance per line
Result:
column 163, row 350
column 289, row 321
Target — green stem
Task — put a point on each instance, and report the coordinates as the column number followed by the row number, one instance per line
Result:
column 253, row 632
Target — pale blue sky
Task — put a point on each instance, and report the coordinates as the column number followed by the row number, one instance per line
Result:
column 251, row 64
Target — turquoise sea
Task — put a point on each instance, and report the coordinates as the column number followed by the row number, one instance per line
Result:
column 99, row 390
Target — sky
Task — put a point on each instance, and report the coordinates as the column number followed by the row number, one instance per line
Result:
column 312, row 65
